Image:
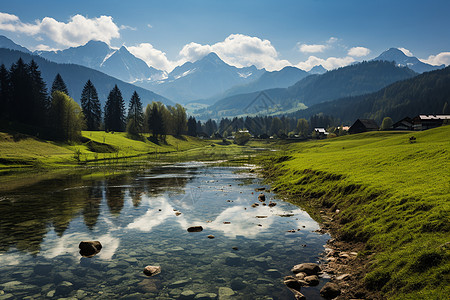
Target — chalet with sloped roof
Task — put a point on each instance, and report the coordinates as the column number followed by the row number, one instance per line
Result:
column 363, row 125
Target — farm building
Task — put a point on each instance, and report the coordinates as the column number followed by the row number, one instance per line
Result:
column 363, row 125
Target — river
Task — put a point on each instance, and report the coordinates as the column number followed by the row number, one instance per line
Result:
column 141, row 218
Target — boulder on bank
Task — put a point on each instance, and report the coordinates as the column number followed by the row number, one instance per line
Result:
column 89, row 248
column 195, row 229
column 152, row 270
column 307, row 268
column 330, row 290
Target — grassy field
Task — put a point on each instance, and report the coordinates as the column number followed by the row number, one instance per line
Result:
column 392, row 194
column 18, row 152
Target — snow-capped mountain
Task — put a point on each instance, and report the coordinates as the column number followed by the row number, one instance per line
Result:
column 402, row 60
column 119, row 63
column 202, row 79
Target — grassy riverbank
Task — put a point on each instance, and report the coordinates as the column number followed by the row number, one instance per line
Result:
column 391, row 194
column 18, row 151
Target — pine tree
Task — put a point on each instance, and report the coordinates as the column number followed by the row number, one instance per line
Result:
column 21, row 108
column 192, row 126
column 156, row 121
column 135, row 115
column 59, row 85
column 115, row 111
column 40, row 100
column 91, row 106
column 5, row 92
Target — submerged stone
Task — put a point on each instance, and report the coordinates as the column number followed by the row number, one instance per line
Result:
column 89, row 248
column 152, row 270
column 195, row 229
column 307, row 268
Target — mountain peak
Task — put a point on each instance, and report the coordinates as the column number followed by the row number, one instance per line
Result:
column 9, row 44
column 402, row 60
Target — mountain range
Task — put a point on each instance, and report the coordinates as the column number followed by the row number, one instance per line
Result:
column 75, row 76
column 426, row 93
column 353, row 80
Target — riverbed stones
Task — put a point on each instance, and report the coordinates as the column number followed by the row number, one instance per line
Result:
column 330, row 290
column 152, row 270
column 292, row 283
column 205, row 296
column 225, row 293
column 195, row 229
column 180, row 283
column 232, row 259
column 64, row 288
column 312, row 280
column 187, row 295
column 89, row 248
column 307, row 268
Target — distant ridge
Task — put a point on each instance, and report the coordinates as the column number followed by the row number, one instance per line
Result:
column 402, row 60
column 75, row 76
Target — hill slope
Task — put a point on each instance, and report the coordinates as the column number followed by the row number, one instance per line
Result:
column 75, row 76
column 381, row 190
column 353, row 80
column 423, row 94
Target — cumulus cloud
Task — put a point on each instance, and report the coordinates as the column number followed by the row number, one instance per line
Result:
column 312, row 48
column 149, row 26
column 77, row 31
column 238, row 50
column 152, row 56
column 330, row 63
column 439, row 59
column 405, row 51
column 358, row 51
column 332, row 40
column 42, row 47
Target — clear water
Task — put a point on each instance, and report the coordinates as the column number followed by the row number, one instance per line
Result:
column 133, row 216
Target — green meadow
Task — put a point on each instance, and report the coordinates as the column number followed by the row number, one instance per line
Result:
column 391, row 194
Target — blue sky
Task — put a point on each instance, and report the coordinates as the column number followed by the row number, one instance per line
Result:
column 269, row 34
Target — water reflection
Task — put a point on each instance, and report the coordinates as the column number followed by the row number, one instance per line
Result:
column 135, row 218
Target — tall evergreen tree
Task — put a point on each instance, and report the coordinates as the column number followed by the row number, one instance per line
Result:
column 5, row 92
column 59, row 85
column 156, row 122
column 40, row 100
column 115, row 111
column 21, row 109
column 91, row 106
column 135, row 115
column 192, row 126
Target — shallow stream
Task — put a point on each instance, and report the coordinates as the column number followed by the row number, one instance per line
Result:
column 135, row 218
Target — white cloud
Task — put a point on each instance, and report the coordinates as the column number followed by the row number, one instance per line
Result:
column 358, row 51
column 439, row 59
column 78, row 31
column 405, row 51
column 153, row 57
column 122, row 27
column 332, row 40
column 149, row 26
column 42, row 47
column 312, row 48
column 330, row 63
column 238, row 50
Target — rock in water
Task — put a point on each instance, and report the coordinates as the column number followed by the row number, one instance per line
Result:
column 272, row 204
column 293, row 284
column 262, row 197
column 210, row 236
column 312, row 280
column 152, row 270
column 330, row 290
column 195, row 229
column 308, row 268
column 89, row 248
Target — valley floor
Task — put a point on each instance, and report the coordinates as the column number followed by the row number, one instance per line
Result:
column 385, row 197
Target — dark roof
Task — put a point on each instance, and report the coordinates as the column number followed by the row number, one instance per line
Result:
column 369, row 123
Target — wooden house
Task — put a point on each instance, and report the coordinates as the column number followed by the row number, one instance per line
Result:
column 363, row 125
column 403, row 124
column 424, row 122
